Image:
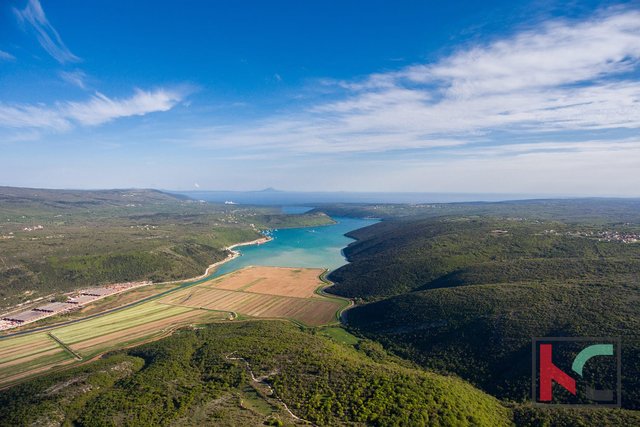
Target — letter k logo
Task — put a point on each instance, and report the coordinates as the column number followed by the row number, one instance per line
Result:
column 550, row 372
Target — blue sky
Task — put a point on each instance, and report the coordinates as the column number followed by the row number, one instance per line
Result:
column 497, row 96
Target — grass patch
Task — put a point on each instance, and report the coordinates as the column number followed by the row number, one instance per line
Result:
column 339, row 334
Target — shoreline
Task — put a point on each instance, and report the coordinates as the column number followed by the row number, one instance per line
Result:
column 233, row 255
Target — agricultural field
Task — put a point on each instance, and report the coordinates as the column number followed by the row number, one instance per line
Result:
column 289, row 282
column 266, row 292
column 30, row 354
column 128, row 326
column 26, row 355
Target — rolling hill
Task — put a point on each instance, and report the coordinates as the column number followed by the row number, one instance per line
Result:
column 465, row 294
column 244, row 374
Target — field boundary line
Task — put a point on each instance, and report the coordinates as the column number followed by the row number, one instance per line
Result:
column 275, row 295
column 244, row 288
column 64, row 346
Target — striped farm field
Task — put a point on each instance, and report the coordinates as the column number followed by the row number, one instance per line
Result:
column 266, row 292
column 262, row 292
column 143, row 331
column 127, row 326
column 25, row 345
column 24, row 354
column 118, row 321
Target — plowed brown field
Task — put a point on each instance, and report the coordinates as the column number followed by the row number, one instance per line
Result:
column 263, row 292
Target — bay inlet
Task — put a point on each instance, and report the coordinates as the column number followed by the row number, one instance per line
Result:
column 319, row 247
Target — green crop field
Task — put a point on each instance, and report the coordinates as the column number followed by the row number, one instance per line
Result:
column 25, row 355
column 30, row 354
column 118, row 321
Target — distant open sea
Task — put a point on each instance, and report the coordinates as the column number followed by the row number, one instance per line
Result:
column 287, row 198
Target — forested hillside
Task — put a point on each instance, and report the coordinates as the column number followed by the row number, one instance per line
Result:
column 465, row 294
column 393, row 257
column 583, row 210
column 204, row 376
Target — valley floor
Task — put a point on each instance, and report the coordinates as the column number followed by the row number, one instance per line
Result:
column 253, row 292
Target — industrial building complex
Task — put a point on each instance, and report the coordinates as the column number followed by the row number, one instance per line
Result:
column 80, row 299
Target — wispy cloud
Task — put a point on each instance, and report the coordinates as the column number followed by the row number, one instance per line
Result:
column 6, row 56
column 97, row 110
column 101, row 109
column 557, row 53
column 32, row 116
column 561, row 76
column 76, row 78
column 47, row 36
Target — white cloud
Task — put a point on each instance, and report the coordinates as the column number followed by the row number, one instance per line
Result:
column 47, row 36
column 32, row 116
column 6, row 56
column 97, row 110
column 101, row 109
column 562, row 76
column 75, row 78
column 555, row 54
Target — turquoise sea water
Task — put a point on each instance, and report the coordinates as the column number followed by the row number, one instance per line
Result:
column 300, row 247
